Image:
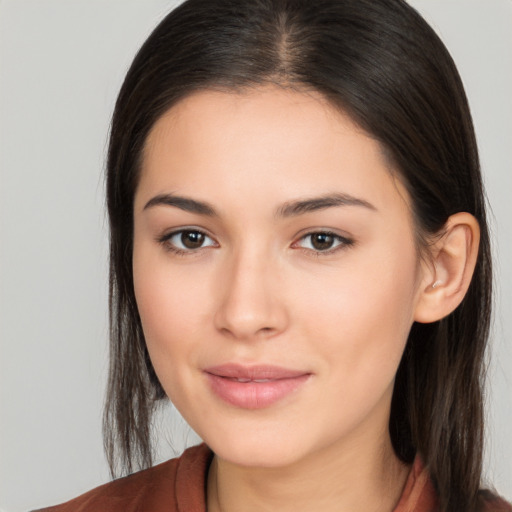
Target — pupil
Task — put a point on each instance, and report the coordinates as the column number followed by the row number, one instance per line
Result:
column 192, row 239
column 322, row 241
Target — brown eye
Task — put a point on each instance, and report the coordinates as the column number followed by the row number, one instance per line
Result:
column 192, row 239
column 322, row 241
column 187, row 240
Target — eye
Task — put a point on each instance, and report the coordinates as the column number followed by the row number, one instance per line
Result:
column 323, row 241
column 187, row 240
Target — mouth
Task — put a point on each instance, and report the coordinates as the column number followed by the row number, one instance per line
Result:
column 254, row 387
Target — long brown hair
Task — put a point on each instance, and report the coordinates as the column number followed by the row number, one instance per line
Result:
column 381, row 63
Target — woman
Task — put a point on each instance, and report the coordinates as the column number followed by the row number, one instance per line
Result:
column 299, row 261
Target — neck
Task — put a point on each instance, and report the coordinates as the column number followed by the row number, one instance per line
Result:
column 365, row 478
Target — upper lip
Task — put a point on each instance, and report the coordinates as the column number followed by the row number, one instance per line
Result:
column 254, row 372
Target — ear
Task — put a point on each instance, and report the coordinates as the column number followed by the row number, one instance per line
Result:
column 447, row 276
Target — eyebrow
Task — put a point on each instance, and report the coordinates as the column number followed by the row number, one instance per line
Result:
column 289, row 209
column 183, row 203
column 300, row 207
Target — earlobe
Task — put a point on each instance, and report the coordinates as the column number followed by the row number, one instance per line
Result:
column 447, row 279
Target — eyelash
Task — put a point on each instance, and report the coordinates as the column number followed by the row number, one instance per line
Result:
column 165, row 240
column 343, row 242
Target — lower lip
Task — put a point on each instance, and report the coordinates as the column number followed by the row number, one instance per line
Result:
column 254, row 395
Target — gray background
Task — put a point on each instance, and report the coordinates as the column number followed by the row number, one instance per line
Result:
column 61, row 64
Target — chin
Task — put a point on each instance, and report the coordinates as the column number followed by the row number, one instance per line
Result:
column 262, row 445
column 257, row 454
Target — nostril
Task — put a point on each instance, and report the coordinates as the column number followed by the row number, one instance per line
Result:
column 267, row 330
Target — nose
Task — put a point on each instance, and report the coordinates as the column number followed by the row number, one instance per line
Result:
column 251, row 300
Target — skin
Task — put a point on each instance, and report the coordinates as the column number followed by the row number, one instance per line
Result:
column 259, row 292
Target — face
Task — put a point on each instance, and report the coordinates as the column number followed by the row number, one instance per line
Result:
column 275, row 272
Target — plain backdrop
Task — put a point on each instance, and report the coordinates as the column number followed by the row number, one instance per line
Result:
column 61, row 65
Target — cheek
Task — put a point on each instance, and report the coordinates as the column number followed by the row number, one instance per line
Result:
column 171, row 306
column 360, row 318
column 169, row 309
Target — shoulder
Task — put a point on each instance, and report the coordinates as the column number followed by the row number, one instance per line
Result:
column 493, row 503
column 420, row 495
column 122, row 494
column 158, row 488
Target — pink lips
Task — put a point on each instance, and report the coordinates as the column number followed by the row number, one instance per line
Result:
column 253, row 387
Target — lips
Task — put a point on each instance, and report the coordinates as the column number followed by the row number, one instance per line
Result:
column 254, row 387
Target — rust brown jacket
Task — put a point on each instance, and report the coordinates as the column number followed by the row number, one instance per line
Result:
column 179, row 485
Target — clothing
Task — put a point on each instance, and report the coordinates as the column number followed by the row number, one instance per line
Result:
column 179, row 485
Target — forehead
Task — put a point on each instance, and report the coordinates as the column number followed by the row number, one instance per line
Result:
column 267, row 141
column 296, row 115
